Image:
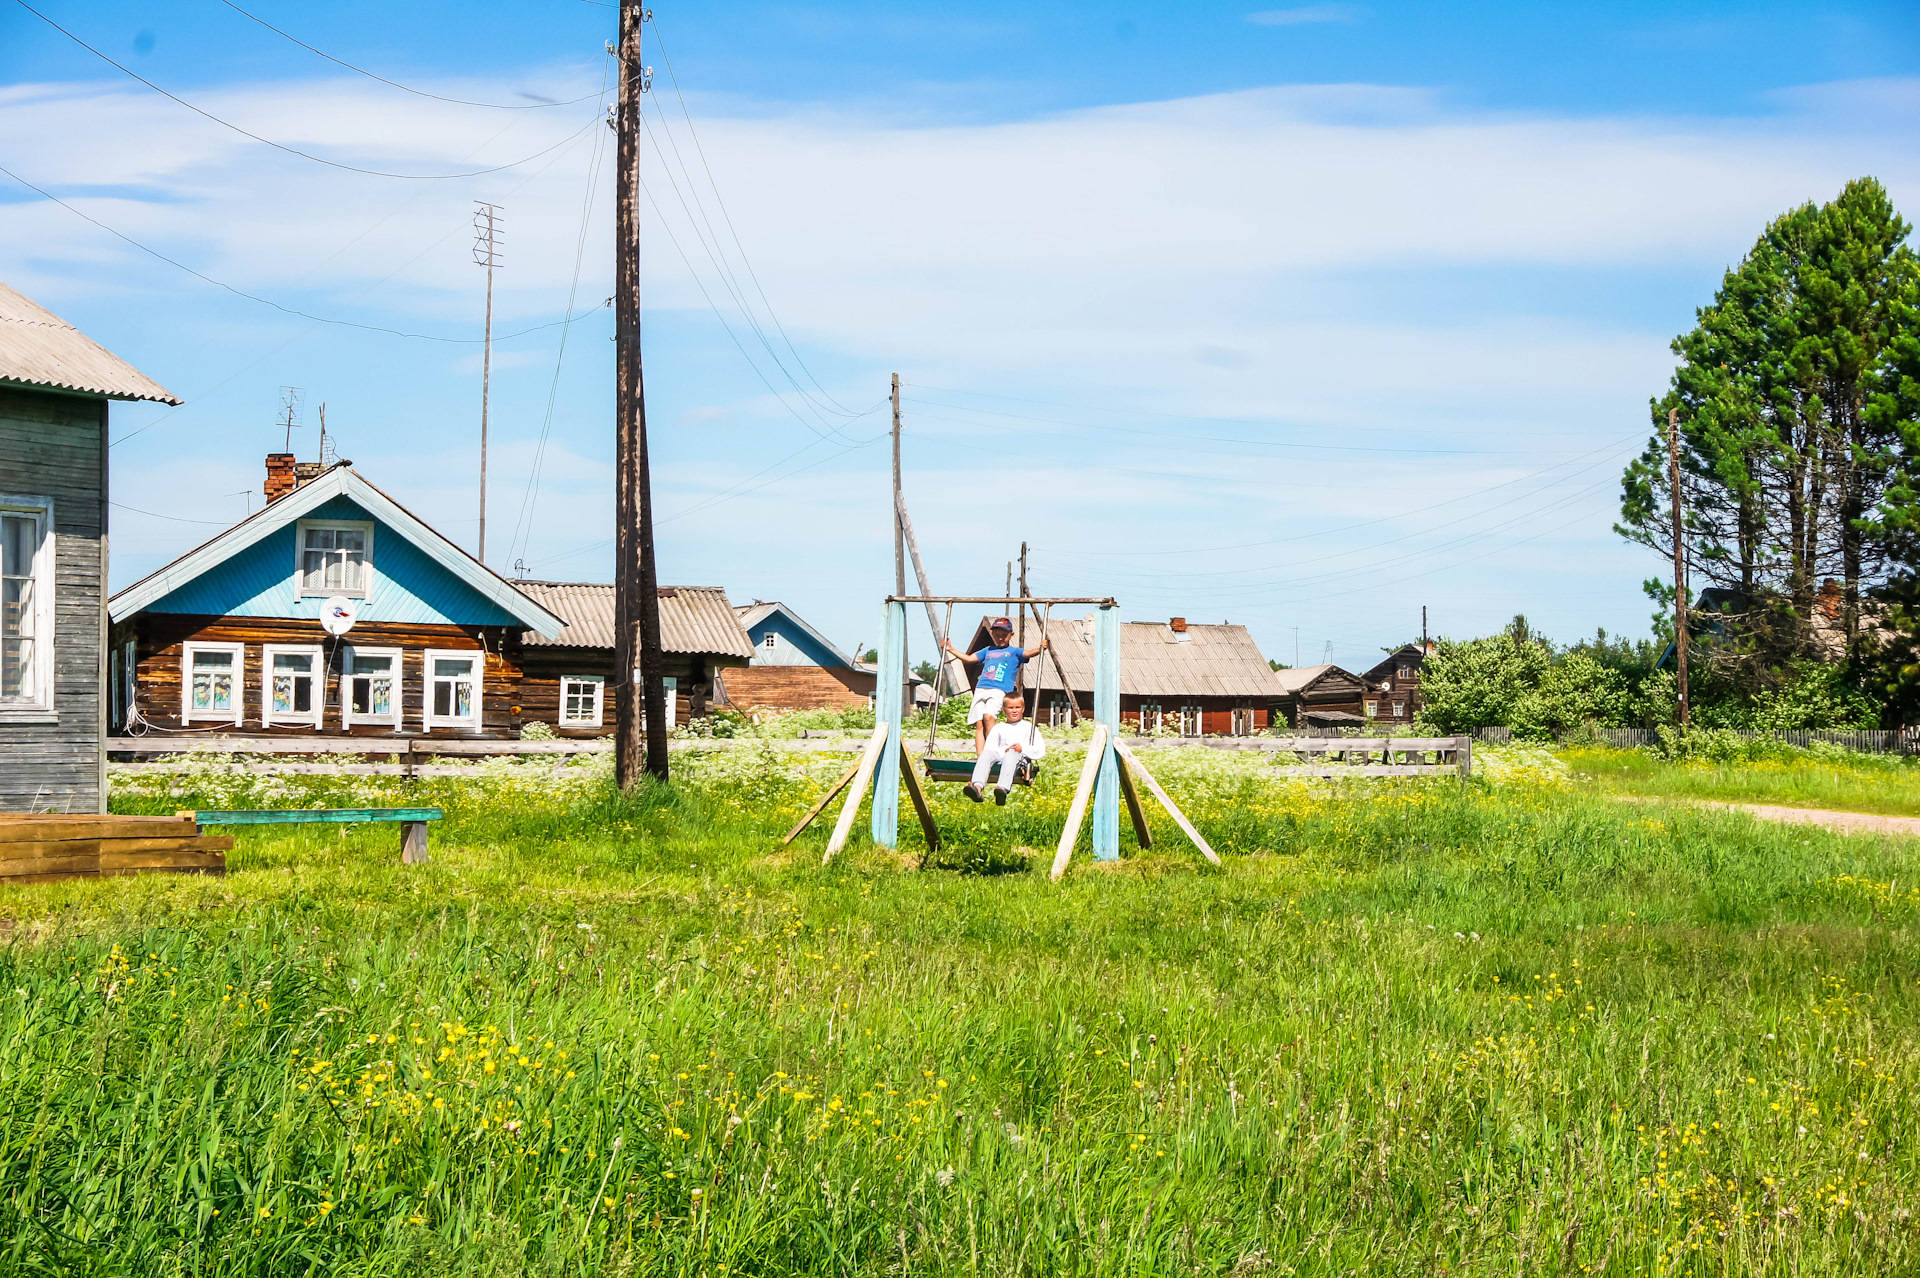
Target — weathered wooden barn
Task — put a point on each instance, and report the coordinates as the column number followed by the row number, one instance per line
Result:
column 55, row 385
column 795, row 667
column 1198, row 680
column 227, row 639
column 566, row 681
column 1393, row 687
column 1321, row 697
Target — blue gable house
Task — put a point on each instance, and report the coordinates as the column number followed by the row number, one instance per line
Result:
column 229, row 637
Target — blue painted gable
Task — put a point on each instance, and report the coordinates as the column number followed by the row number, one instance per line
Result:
column 408, row 588
column 793, row 645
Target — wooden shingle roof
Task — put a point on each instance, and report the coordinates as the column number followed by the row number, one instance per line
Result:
column 1211, row 661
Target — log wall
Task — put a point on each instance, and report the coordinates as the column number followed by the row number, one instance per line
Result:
column 160, row 637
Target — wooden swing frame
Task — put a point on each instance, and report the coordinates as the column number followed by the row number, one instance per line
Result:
column 1106, row 773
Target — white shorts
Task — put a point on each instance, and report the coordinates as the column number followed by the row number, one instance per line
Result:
column 986, row 704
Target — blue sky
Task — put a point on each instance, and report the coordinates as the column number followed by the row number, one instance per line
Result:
column 1301, row 317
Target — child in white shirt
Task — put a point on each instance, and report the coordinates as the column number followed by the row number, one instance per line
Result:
column 1013, row 739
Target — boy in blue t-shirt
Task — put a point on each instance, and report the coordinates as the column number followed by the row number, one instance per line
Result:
column 999, row 674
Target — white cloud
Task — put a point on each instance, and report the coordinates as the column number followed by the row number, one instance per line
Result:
column 1304, row 15
column 1190, row 256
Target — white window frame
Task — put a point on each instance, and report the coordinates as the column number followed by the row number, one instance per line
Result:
column 1242, row 722
column 599, row 683
column 1372, row 709
column 315, row 718
column 238, row 714
column 1399, row 709
column 470, row 723
column 348, row 673
column 300, row 588
column 769, row 640
column 1151, row 717
column 1193, row 717
column 37, row 706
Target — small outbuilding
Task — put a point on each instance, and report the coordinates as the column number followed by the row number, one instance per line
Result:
column 55, row 386
column 1322, row 696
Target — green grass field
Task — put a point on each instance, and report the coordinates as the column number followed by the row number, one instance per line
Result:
column 1885, row 784
column 1408, row 1030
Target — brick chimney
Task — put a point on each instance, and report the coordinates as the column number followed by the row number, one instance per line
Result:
column 1177, row 624
column 280, row 475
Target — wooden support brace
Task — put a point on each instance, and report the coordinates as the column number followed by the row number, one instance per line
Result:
column 413, row 843
column 1141, row 834
column 920, row 809
column 1096, row 751
column 821, row 806
column 1127, row 757
column 862, row 778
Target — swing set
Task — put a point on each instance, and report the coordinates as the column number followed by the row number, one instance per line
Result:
column 1106, row 774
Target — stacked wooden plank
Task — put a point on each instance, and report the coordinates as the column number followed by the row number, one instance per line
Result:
column 36, row 848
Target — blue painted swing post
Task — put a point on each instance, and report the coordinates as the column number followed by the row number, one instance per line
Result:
column 892, row 675
column 888, row 681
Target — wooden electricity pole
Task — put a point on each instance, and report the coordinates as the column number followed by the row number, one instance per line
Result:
column 640, row 703
column 1021, row 679
column 1679, row 561
column 899, row 534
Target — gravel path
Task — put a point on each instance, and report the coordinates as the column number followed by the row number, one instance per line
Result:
column 1845, row 822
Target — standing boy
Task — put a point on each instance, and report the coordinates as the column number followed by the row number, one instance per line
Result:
column 1010, row 744
column 999, row 674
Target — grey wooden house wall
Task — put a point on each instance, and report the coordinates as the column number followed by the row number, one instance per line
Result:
column 55, row 445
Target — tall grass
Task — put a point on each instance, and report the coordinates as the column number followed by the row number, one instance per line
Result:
column 1823, row 778
column 1514, row 1029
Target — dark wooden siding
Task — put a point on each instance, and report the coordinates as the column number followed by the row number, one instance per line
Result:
column 543, row 667
column 54, row 445
column 784, row 688
column 160, row 637
column 1216, row 713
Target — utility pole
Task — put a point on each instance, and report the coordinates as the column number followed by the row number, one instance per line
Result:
column 640, row 703
column 1423, row 629
column 1021, row 679
column 1296, row 647
column 900, row 536
column 1679, row 561
column 486, row 252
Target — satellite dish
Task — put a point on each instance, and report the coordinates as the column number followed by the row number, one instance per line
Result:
column 337, row 614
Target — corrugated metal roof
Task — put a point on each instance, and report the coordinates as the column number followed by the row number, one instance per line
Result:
column 1213, row 661
column 692, row 618
column 38, row 348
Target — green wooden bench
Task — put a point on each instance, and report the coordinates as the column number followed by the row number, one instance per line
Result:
column 413, row 822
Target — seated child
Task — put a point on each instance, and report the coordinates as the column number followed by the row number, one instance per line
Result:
column 1010, row 744
column 999, row 664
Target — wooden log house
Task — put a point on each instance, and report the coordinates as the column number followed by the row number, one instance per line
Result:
column 227, row 639
column 1322, row 696
column 55, row 386
column 794, row 666
column 1393, row 687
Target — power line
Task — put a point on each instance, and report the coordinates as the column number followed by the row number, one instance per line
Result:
column 726, row 216
column 1365, row 523
column 1219, row 439
column 532, row 494
column 709, row 242
column 278, row 146
column 254, row 297
column 497, row 106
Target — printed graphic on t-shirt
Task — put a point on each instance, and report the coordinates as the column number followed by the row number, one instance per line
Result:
column 999, row 667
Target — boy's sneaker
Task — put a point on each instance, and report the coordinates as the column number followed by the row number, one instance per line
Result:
column 972, row 791
column 1000, row 795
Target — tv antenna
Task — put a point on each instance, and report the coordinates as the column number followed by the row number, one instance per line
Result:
column 291, row 398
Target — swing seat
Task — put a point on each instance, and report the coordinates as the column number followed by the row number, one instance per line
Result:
column 962, row 770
